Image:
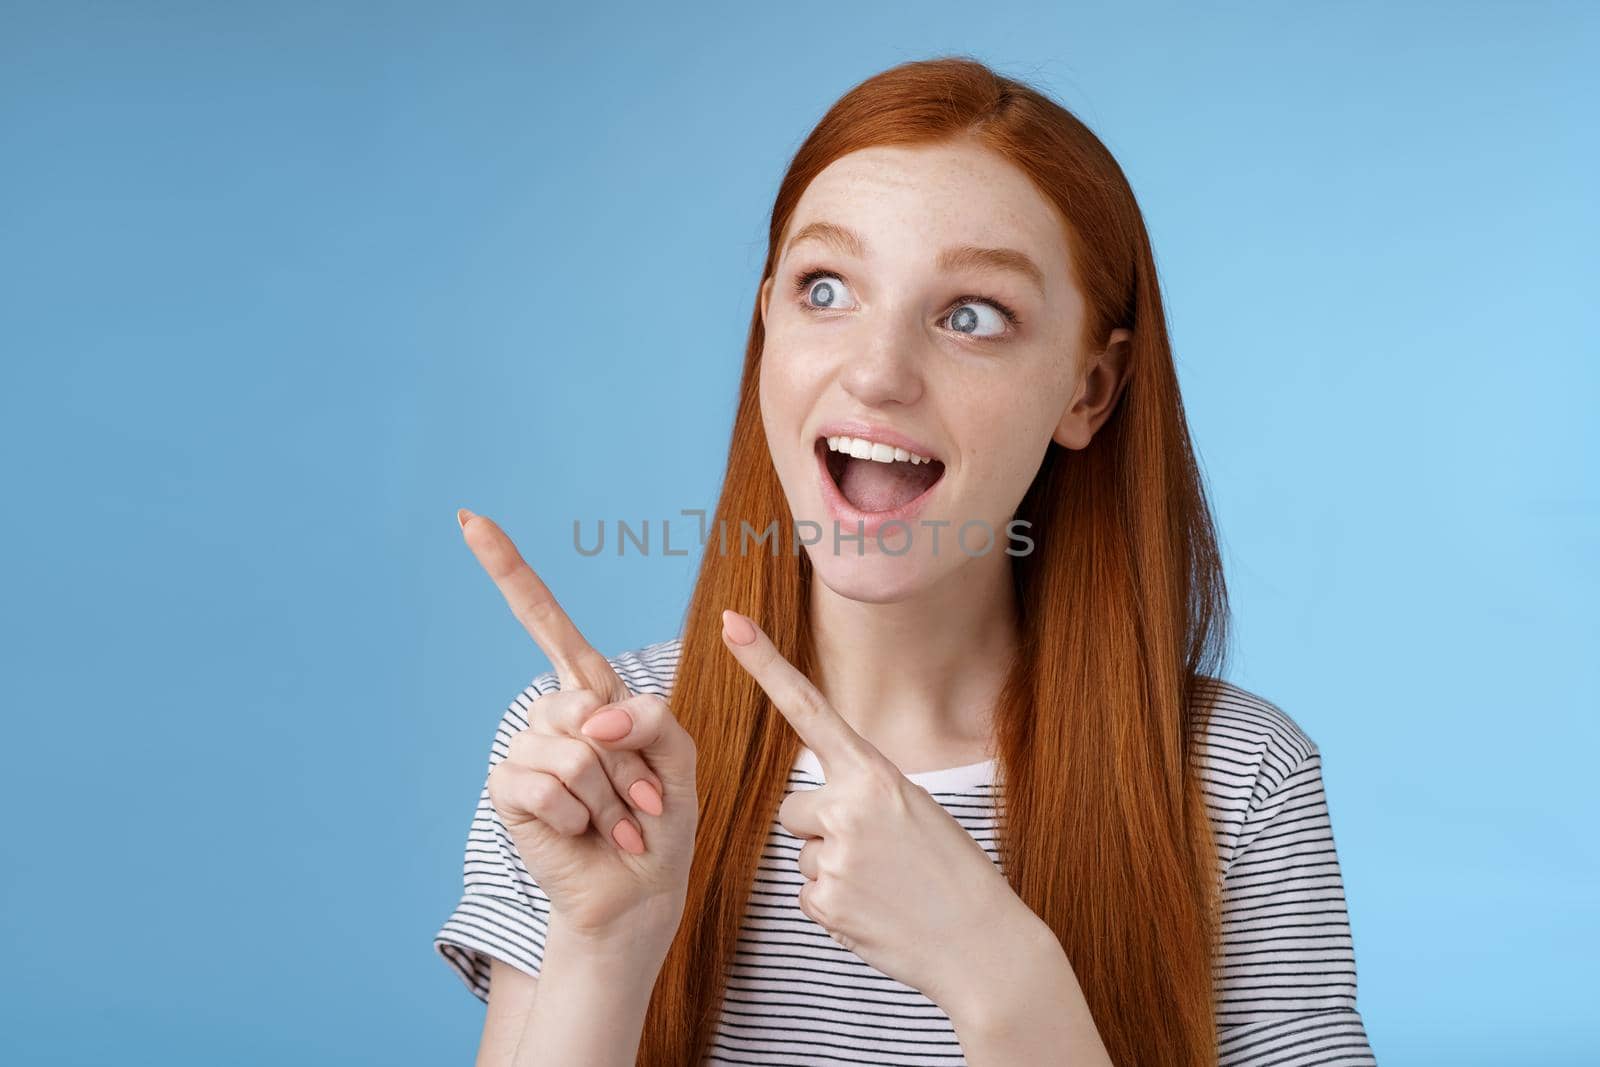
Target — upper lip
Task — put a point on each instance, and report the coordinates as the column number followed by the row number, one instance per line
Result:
column 867, row 431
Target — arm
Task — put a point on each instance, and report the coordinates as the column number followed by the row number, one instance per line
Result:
column 511, row 994
column 1287, row 979
column 599, row 988
column 1026, row 1005
column 591, row 1012
column 1287, row 995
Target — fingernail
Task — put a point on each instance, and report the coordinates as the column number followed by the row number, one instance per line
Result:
column 644, row 794
column 608, row 724
column 462, row 515
column 627, row 837
column 737, row 628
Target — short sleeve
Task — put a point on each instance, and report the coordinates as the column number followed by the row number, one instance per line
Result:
column 502, row 912
column 1286, row 975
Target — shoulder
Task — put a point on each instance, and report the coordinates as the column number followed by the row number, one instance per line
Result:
column 1285, row 973
column 1244, row 733
column 1249, row 751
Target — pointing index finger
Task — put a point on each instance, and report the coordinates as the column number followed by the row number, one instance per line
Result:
column 577, row 663
column 821, row 728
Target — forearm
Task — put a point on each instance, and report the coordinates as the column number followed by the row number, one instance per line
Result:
column 1027, row 1007
column 591, row 1002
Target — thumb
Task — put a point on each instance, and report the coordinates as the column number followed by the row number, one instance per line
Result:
column 645, row 724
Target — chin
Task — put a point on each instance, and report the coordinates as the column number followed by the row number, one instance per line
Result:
column 873, row 577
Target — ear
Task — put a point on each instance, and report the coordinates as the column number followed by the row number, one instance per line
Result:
column 766, row 294
column 1097, row 393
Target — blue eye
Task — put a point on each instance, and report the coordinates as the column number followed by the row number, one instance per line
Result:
column 965, row 318
column 822, row 290
column 825, row 296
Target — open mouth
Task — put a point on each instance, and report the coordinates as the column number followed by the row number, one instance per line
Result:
column 874, row 478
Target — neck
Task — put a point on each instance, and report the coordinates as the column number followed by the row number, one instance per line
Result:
column 918, row 678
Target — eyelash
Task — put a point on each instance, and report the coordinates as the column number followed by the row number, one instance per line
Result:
column 803, row 282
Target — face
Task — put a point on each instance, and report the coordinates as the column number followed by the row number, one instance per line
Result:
column 922, row 307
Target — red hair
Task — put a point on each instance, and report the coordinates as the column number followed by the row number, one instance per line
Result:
column 1121, row 607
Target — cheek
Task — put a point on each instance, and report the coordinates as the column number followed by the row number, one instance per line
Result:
column 781, row 412
column 787, row 384
column 1010, row 429
column 774, row 391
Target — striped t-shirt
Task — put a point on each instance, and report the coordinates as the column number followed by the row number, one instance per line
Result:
column 1285, row 979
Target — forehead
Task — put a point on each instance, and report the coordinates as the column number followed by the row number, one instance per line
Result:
column 915, row 199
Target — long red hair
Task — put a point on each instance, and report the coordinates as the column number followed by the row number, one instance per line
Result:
column 1121, row 605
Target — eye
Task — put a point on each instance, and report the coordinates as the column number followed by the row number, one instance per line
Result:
column 981, row 318
column 966, row 318
column 820, row 291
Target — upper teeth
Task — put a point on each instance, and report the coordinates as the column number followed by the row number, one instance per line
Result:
column 873, row 450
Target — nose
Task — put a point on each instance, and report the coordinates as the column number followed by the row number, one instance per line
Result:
column 885, row 366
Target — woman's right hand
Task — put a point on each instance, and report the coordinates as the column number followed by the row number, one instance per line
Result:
column 572, row 801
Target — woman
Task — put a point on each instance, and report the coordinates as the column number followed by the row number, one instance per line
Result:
column 956, row 778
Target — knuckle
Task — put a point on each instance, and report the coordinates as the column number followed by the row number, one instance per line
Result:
column 853, row 813
column 521, row 746
column 535, row 612
column 655, row 717
column 555, row 708
column 539, row 708
column 497, row 786
column 538, row 794
column 629, row 768
column 882, row 783
column 670, row 724
column 840, row 820
column 582, row 704
column 650, row 710
column 598, row 671
column 573, row 761
column 820, row 897
column 608, row 819
column 563, row 710
column 545, row 797
column 812, row 704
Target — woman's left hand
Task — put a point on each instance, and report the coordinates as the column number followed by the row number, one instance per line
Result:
column 891, row 875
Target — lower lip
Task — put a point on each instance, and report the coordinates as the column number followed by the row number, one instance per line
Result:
column 847, row 515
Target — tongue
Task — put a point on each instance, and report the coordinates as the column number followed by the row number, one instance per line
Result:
column 872, row 486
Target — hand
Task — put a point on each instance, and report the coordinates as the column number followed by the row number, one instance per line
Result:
column 891, row 875
column 598, row 793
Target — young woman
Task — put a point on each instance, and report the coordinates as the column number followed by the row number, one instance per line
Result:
column 941, row 768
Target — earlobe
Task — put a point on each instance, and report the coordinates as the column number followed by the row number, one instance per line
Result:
column 1069, row 432
column 1098, row 394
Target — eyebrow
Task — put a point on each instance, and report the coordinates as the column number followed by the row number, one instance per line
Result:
column 961, row 257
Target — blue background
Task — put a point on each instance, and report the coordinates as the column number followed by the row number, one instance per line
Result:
column 282, row 286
